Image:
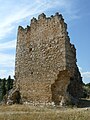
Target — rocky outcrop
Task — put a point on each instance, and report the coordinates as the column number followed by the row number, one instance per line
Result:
column 12, row 97
column 45, row 67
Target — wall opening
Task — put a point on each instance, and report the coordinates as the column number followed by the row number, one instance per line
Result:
column 55, row 93
column 59, row 87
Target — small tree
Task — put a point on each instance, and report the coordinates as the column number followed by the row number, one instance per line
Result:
column 9, row 83
column 86, row 90
column 3, row 87
column 0, row 89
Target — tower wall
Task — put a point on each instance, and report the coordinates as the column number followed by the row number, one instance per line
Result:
column 44, row 57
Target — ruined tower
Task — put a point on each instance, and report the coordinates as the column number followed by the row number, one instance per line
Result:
column 45, row 67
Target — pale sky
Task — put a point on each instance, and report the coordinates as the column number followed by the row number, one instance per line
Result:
column 19, row 12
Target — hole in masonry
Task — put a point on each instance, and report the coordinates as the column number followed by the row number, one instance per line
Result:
column 30, row 49
column 31, row 73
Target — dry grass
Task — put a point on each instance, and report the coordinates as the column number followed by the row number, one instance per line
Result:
column 26, row 112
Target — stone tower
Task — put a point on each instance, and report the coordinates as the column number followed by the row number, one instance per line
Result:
column 45, row 67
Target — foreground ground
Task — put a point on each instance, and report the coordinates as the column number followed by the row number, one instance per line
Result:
column 27, row 112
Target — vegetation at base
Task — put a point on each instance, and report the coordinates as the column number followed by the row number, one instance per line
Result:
column 27, row 112
column 5, row 86
column 86, row 90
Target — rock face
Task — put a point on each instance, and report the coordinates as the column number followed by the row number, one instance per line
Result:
column 13, row 97
column 45, row 67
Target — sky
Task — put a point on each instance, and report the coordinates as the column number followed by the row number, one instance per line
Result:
column 19, row 12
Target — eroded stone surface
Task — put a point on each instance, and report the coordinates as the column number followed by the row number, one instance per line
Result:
column 45, row 67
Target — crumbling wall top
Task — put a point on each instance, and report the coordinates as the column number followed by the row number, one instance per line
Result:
column 41, row 17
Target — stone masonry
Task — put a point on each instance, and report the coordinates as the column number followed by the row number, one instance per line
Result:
column 45, row 67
